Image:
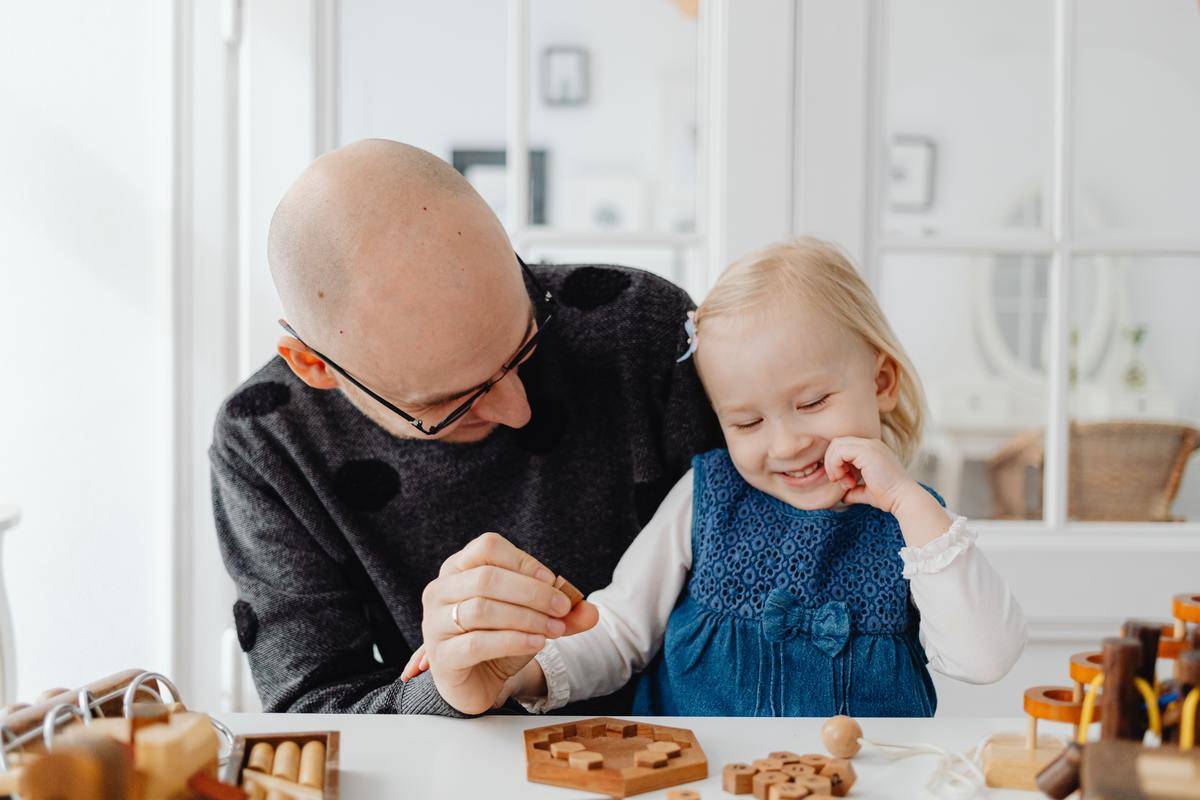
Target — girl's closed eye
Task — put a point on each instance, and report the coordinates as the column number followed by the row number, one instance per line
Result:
column 745, row 426
column 813, row 406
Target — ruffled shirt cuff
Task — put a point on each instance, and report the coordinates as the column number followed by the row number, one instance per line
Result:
column 558, row 688
column 940, row 553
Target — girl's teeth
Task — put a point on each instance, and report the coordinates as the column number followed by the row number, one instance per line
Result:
column 804, row 473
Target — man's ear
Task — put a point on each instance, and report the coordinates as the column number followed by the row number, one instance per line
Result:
column 887, row 383
column 307, row 366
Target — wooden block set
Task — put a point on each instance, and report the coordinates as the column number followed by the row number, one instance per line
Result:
column 115, row 739
column 303, row 766
column 784, row 775
column 1117, row 686
column 613, row 756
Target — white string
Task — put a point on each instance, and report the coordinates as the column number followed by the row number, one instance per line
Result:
column 957, row 776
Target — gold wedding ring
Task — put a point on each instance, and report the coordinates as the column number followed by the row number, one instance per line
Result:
column 454, row 617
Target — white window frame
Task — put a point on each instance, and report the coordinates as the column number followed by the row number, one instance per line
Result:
column 524, row 235
column 1063, row 245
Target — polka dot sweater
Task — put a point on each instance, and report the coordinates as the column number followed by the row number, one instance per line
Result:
column 331, row 528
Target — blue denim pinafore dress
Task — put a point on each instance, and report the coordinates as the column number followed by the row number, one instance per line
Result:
column 787, row 612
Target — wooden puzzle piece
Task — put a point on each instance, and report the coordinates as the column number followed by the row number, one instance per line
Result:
column 567, row 588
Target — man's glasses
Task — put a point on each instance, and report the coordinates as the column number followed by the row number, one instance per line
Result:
column 542, row 319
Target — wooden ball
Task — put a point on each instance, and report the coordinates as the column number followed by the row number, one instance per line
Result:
column 840, row 736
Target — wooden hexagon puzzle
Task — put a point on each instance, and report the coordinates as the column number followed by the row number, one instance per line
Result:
column 613, row 756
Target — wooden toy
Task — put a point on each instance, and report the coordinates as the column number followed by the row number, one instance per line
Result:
column 615, row 757
column 785, row 775
column 276, row 766
column 763, row 781
column 567, row 588
column 683, row 794
column 840, row 774
column 91, row 768
column 1119, row 765
column 840, row 736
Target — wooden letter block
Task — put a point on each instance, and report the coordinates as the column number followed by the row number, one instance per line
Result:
column 738, row 778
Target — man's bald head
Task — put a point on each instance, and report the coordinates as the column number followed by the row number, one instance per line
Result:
column 389, row 262
column 319, row 245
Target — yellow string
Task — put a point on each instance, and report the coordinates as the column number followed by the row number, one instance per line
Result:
column 1187, row 720
column 1089, row 706
column 1151, row 706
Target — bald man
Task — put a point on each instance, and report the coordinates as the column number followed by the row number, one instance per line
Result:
column 443, row 431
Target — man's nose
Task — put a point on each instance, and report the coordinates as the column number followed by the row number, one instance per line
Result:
column 505, row 404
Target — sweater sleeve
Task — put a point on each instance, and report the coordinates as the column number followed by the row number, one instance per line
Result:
column 633, row 610
column 300, row 621
column 971, row 627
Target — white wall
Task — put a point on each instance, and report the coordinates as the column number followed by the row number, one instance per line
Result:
column 85, row 336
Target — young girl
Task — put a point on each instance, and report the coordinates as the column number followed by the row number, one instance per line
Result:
column 800, row 571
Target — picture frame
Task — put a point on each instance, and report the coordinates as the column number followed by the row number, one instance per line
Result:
column 912, row 170
column 566, row 76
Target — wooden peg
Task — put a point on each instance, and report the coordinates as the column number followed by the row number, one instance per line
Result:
column 1119, row 700
column 285, row 766
column 1188, row 672
column 1149, row 635
column 282, row 788
column 312, row 764
column 1060, row 777
column 738, row 778
column 262, row 756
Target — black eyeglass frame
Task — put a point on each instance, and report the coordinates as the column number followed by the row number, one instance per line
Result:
column 457, row 413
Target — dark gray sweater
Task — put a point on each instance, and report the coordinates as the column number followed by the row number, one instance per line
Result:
column 331, row 527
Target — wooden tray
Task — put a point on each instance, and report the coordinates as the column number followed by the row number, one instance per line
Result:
column 242, row 745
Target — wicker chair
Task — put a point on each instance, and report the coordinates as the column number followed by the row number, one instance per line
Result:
column 1119, row 471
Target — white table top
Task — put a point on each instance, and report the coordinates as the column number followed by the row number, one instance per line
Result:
column 384, row 756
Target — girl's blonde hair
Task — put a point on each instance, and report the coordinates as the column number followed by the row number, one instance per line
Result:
column 820, row 275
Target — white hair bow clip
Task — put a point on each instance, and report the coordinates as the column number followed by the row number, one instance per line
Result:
column 689, row 325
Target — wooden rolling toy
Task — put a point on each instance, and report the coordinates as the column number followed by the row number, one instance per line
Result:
column 1117, row 686
column 612, row 756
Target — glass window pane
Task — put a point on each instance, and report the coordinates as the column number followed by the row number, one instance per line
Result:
column 1135, row 396
column 975, row 329
column 613, row 106
column 1138, row 116
column 968, row 116
column 431, row 75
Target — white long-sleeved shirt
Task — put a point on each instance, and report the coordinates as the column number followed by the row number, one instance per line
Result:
column 971, row 626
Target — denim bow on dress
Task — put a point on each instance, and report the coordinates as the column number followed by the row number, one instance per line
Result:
column 828, row 626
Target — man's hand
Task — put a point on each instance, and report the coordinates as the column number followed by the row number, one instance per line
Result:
column 507, row 608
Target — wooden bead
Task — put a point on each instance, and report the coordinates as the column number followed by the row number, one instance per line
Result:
column 786, row 756
column 840, row 736
column 841, row 776
column 585, row 760
column 312, row 764
column 817, row 784
column 738, row 778
column 668, row 749
column 788, row 791
column 799, row 769
column 563, row 750
column 763, row 782
column 768, row 764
